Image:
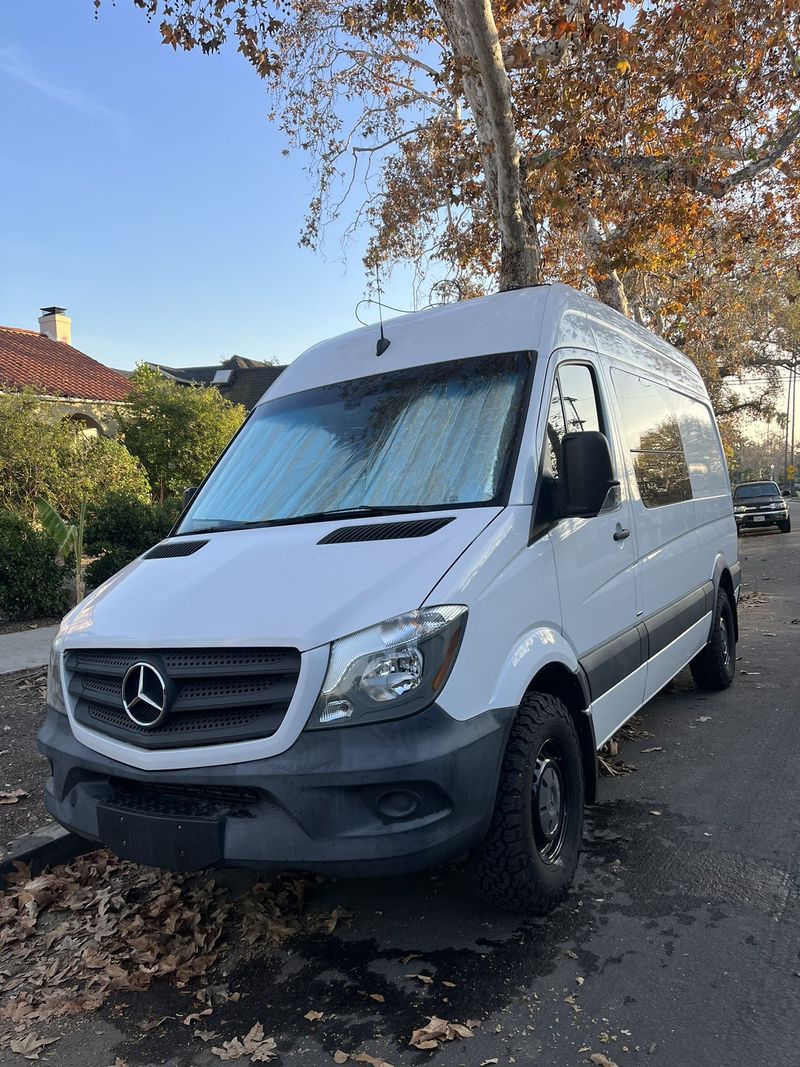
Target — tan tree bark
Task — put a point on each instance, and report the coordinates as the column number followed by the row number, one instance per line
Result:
column 473, row 34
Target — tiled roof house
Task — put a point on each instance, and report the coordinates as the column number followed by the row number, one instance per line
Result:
column 46, row 363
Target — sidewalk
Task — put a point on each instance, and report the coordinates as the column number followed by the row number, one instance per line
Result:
column 27, row 648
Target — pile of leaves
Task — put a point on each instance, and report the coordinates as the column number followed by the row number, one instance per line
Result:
column 73, row 936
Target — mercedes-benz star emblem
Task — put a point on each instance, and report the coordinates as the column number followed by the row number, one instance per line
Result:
column 144, row 695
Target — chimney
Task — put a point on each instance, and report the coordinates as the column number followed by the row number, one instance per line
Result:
column 56, row 324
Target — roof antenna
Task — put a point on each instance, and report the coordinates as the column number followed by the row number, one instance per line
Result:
column 383, row 342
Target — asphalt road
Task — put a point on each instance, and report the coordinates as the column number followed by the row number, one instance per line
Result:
column 684, row 924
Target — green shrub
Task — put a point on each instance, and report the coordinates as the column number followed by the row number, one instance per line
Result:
column 31, row 582
column 43, row 457
column 177, row 431
column 122, row 527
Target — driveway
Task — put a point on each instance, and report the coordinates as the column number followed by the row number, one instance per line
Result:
column 680, row 944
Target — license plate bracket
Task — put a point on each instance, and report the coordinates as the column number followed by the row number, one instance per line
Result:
column 155, row 840
column 759, row 518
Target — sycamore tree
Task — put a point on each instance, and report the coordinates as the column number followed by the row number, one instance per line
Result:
column 639, row 150
column 495, row 136
column 176, row 431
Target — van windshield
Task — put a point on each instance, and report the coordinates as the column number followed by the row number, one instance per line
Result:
column 751, row 489
column 427, row 437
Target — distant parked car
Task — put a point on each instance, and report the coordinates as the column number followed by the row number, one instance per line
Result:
column 760, row 504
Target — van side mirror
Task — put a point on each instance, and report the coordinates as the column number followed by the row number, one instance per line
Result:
column 188, row 496
column 587, row 473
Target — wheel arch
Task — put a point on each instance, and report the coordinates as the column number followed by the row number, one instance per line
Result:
column 572, row 688
column 723, row 579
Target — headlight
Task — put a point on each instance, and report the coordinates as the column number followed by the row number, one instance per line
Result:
column 55, row 690
column 739, row 510
column 393, row 669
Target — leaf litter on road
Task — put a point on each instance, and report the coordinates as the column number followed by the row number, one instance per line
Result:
column 79, row 933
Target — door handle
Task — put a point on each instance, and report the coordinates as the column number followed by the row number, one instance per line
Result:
column 620, row 534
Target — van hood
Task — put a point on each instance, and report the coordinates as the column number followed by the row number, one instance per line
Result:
column 271, row 586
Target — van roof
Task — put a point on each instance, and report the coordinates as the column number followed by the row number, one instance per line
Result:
column 539, row 318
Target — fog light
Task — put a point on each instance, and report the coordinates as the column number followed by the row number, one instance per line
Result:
column 398, row 804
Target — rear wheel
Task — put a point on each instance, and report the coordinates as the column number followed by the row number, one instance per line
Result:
column 715, row 666
column 528, row 858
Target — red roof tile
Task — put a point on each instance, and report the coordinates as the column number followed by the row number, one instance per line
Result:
column 29, row 360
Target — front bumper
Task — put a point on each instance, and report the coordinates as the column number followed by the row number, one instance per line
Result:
column 358, row 801
column 758, row 520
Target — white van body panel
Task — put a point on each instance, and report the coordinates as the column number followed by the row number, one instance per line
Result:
column 506, row 584
column 257, row 587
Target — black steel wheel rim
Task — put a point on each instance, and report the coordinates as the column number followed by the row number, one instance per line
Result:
column 550, row 805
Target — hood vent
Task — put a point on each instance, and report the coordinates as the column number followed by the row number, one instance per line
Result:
column 384, row 531
column 174, row 548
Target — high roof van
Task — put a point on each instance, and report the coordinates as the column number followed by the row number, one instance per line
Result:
column 420, row 588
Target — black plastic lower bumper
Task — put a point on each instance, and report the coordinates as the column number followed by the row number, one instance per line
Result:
column 749, row 522
column 358, row 801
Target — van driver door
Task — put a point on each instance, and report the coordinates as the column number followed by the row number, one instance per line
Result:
column 595, row 559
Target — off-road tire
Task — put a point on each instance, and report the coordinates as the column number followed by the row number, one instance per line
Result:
column 507, row 867
column 714, row 667
column 785, row 527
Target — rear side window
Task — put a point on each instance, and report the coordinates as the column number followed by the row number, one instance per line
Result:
column 673, row 440
column 653, row 435
column 701, row 446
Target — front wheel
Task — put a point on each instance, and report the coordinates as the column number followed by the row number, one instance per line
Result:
column 528, row 858
column 714, row 667
column 785, row 526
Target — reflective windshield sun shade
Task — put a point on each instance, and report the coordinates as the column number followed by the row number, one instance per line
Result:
column 431, row 436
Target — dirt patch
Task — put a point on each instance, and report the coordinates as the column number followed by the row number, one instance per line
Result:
column 22, row 769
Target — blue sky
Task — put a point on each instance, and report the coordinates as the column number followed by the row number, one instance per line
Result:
column 145, row 191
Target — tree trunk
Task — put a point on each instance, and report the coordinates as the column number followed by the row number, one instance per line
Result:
column 473, row 35
column 611, row 291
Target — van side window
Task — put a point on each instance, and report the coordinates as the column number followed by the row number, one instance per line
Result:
column 573, row 408
column 701, row 446
column 653, row 435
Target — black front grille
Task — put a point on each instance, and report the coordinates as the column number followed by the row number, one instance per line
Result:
column 215, row 695
column 184, row 801
column 384, row 531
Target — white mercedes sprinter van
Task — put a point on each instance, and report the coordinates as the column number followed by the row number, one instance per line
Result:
column 415, row 594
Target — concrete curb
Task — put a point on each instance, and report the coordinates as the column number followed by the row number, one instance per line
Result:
column 45, row 847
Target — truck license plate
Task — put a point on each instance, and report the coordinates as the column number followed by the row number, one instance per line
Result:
column 758, row 518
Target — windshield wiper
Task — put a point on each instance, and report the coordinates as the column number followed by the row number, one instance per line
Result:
column 356, row 512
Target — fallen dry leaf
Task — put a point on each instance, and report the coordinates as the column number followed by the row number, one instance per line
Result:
column 424, row 978
column 373, row 1061
column 12, row 796
column 340, row 1057
column 486, row 1063
column 30, row 1045
column 205, row 1035
column 656, row 812
column 313, row 1016
column 601, row 1060
column 146, row 1025
column 438, row 1030
column 655, row 748
column 381, row 999
column 450, row 985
